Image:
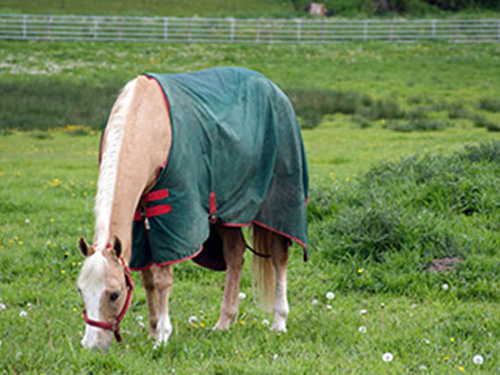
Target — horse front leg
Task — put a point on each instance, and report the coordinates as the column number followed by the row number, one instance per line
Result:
column 163, row 281
column 152, row 300
column 233, row 247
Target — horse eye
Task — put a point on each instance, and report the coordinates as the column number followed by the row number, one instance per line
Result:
column 114, row 296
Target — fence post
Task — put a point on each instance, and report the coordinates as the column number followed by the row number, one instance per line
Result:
column 433, row 28
column 49, row 21
column 96, row 25
column 299, row 29
column 257, row 33
column 232, row 24
column 323, row 31
column 365, row 30
column 165, row 28
column 25, row 27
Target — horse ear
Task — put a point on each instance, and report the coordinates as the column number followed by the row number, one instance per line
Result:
column 85, row 249
column 117, row 247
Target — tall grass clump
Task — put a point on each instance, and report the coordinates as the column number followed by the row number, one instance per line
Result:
column 44, row 102
column 312, row 105
column 420, row 206
column 490, row 104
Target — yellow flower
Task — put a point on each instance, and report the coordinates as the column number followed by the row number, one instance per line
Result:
column 66, row 253
column 74, row 309
column 73, row 264
column 51, row 220
column 48, row 242
column 360, row 270
column 452, row 339
column 63, row 272
column 446, row 359
column 202, row 325
column 21, row 243
column 461, row 368
column 242, row 322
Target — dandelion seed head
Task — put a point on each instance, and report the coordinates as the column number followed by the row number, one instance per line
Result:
column 242, row 295
column 140, row 317
column 265, row 322
column 445, row 287
column 314, row 301
column 330, row 295
column 329, row 307
column 3, row 307
column 387, row 357
column 362, row 312
column 141, row 324
column 362, row 329
column 27, row 221
column 23, row 314
column 478, row 359
column 192, row 319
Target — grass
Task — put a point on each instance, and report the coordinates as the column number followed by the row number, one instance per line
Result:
column 384, row 204
column 46, row 84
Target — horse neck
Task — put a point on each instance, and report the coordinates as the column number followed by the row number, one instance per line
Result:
column 140, row 122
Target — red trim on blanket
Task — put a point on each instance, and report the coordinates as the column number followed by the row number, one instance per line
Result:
column 213, row 203
column 167, row 263
column 156, row 195
column 153, row 211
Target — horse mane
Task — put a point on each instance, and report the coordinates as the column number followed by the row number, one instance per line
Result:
column 112, row 142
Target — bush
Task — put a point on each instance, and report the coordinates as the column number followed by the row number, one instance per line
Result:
column 417, row 125
column 385, row 109
column 414, row 206
column 312, row 105
column 490, row 104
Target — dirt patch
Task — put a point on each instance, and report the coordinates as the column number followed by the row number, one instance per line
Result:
column 444, row 264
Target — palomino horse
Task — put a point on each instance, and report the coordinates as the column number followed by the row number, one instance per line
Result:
column 207, row 189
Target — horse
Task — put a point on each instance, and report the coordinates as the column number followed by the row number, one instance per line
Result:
column 183, row 167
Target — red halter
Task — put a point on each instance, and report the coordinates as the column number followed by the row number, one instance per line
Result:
column 114, row 326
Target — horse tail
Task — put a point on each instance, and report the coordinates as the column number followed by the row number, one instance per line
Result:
column 262, row 267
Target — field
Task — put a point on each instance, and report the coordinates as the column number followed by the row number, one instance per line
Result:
column 404, row 173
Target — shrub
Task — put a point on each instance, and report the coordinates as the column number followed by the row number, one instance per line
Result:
column 417, row 125
column 414, row 206
column 385, row 109
column 490, row 104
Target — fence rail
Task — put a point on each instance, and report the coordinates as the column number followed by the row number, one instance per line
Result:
column 232, row 30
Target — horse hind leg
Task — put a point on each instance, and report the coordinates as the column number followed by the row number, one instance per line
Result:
column 270, row 273
column 233, row 247
column 280, row 258
column 163, row 281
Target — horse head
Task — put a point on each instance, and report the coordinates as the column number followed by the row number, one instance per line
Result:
column 106, row 287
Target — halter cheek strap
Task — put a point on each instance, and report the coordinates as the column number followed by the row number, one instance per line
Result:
column 115, row 325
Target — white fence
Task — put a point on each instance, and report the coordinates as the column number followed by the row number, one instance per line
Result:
column 231, row 30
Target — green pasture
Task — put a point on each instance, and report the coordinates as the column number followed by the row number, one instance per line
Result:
column 394, row 187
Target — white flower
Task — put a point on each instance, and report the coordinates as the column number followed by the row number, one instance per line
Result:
column 314, row 301
column 362, row 312
column 478, row 359
column 242, row 295
column 141, row 324
column 422, row 367
column 29, row 305
column 192, row 319
column 362, row 329
column 140, row 318
column 0, row 342
column 265, row 322
column 445, row 287
column 427, row 341
column 275, row 357
column 27, row 221
column 330, row 295
column 388, row 357
column 414, row 306
column 23, row 314
column 3, row 307
column 329, row 307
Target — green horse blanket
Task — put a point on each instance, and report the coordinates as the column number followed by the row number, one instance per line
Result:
column 237, row 159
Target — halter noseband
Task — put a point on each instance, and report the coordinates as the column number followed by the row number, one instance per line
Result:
column 115, row 325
